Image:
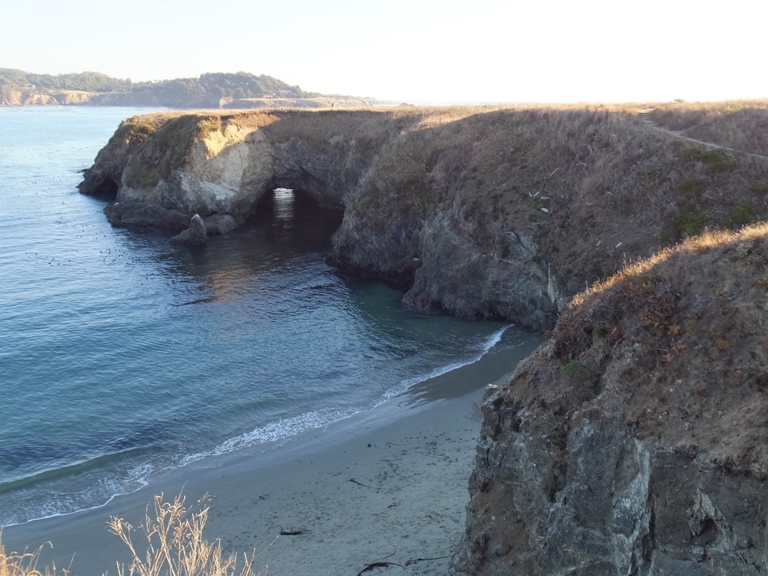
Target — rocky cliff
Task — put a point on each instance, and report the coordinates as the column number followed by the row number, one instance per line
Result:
column 482, row 212
column 14, row 97
column 29, row 97
column 634, row 441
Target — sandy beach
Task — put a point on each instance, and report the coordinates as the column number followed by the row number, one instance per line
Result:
column 389, row 485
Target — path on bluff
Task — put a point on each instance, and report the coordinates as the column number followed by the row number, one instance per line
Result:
column 646, row 118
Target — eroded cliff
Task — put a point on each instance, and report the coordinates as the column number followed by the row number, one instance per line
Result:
column 634, row 441
column 482, row 212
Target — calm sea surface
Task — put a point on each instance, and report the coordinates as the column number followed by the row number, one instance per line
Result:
column 121, row 355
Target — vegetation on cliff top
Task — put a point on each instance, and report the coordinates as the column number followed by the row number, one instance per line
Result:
column 592, row 185
column 742, row 124
column 675, row 343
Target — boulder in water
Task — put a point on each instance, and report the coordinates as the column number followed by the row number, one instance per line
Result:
column 220, row 224
column 195, row 235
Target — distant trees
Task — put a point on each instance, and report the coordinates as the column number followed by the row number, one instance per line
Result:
column 213, row 85
column 245, row 85
column 85, row 81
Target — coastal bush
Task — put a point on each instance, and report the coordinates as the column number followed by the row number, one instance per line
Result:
column 716, row 161
column 692, row 188
column 740, row 215
column 175, row 543
column 687, row 223
column 576, row 371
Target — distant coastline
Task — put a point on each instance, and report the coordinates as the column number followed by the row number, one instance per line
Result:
column 239, row 90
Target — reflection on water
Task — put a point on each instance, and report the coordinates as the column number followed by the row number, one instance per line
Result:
column 287, row 228
column 284, row 204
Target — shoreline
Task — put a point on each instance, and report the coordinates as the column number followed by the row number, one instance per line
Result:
column 385, row 485
column 261, row 438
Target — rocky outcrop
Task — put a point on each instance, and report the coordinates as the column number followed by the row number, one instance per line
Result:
column 195, row 235
column 480, row 212
column 11, row 97
column 635, row 441
column 498, row 279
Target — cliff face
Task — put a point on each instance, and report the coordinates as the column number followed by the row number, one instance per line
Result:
column 634, row 440
column 32, row 97
column 481, row 212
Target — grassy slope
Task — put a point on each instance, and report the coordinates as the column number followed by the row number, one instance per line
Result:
column 676, row 343
column 736, row 124
column 592, row 185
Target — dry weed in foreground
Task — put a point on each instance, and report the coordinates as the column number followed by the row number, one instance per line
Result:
column 25, row 564
column 175, row 544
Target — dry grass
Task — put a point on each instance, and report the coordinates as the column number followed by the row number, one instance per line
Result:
column 175, row 545
column 588, row 183
column 676, row 343
column 24, row 564
column 738, row 124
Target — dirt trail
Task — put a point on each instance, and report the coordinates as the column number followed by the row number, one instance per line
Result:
column 646, row 118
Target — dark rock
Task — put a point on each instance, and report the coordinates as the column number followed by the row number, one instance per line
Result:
column 133, row 213
column 220, row 224
column 600, row 456
column 195, row 235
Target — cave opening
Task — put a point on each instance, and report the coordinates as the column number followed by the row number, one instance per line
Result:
column 107, row 190
column 294, row 212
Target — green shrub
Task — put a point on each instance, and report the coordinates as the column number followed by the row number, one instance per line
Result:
column 692, row 188
column 422, row 202
column 717, row 161
column 690, row 224
column 576, row 371
column 740, row 215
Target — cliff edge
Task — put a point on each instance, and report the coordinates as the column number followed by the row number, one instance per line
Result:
column 634, row 441
column 478, row 211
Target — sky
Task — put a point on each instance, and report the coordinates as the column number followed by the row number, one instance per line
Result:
column 411, row 50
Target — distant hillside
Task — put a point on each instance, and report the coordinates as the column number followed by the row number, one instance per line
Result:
column 210, row 90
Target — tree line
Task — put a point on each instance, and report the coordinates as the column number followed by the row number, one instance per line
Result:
column 213, row 84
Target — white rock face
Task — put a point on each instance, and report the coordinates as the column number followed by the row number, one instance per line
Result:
column 212, row 179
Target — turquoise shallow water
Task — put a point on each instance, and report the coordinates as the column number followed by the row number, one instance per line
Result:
column 121, row 355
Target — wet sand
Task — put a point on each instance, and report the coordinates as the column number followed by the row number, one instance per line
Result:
column 388, row 485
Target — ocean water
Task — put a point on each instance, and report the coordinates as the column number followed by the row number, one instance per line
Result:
column 122, row 356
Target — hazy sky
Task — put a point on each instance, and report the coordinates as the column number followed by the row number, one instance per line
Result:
column 411, row 50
